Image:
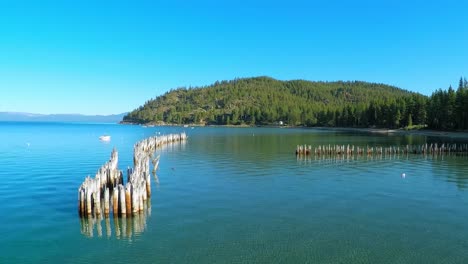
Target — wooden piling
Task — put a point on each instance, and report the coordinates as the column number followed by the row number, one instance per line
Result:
column 115, row 201
column 106, row 202
column 82, row 201
column 141, row 198
column 128, row 197
column 148, row 185
column 89, row 208
column 97, row 203
column 123, row 205
column 135, row 203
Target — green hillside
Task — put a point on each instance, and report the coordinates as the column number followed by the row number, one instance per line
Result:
column 263, row 100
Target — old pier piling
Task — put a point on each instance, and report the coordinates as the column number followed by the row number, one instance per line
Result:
column 107, row 190
column 424, row 149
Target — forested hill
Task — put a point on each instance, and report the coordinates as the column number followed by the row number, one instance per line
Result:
column 263, row 100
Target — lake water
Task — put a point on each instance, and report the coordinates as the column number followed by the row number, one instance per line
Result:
column 232, row 195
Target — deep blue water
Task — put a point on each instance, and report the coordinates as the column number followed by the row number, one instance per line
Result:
column 232, row 195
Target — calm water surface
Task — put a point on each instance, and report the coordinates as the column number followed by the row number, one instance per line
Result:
column 232, row 195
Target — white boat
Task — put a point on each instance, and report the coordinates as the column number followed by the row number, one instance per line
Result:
column 105, row 138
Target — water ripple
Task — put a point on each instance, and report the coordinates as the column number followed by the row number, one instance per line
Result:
column 232, row 196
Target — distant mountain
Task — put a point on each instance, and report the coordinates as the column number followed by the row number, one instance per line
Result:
column 31, row 117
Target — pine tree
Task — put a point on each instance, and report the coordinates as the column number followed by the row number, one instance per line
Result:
column 397, row 119
column 451, row 99
column 460, row 116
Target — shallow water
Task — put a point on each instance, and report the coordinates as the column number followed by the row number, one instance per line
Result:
column 232, row 195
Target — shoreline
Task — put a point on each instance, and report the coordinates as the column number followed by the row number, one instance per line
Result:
column 420, row 132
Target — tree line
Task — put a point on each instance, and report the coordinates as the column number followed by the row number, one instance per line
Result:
column 448, row 109
column 266, row 101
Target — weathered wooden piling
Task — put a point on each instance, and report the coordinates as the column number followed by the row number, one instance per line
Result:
column 89, row 208
column 128, row 197
column 141, row 200
column 148, row 185
column 115, row 201
column 97, row 203
column 123, row 205
column 106, row 202
column 81, row 193
column 107, row 189
column 135, row 203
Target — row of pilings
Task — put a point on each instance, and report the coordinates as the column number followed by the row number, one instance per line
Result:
column 425, row 149
column 107, row 191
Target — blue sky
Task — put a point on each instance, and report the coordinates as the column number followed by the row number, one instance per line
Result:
column 104, row 57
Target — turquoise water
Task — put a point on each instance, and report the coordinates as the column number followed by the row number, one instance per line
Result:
column 232, row 195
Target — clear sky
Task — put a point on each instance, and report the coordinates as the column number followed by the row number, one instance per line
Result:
column 105, row 57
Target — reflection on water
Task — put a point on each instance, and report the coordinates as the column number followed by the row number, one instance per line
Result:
column 346, row 158
column 453, row 166
column 125, row 227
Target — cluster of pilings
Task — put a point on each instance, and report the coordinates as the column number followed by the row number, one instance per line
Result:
column 107, row 191
column 425, row 149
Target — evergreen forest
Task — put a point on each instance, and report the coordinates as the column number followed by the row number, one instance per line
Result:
column 266, row 101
